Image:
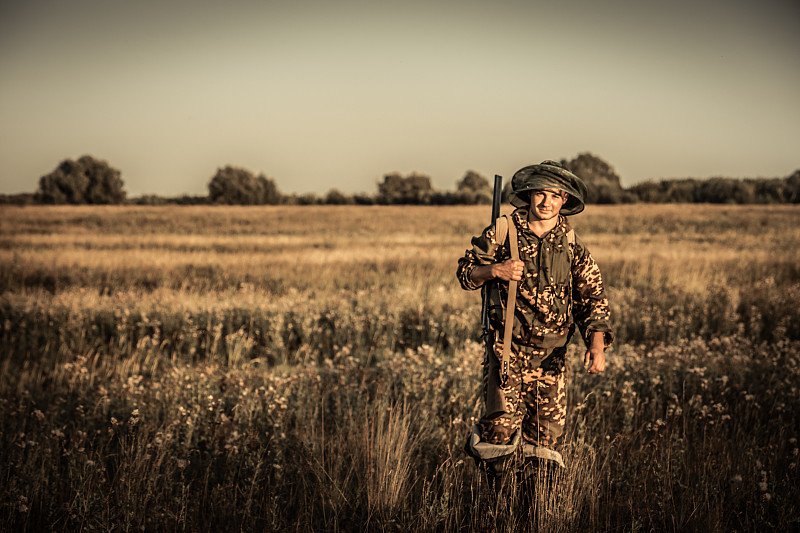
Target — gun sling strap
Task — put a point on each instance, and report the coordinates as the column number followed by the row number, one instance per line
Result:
column 511, row 305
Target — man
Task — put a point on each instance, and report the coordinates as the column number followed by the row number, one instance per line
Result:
column 559, row 287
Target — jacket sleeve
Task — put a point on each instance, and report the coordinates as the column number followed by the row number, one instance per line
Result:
column 590, row 311
column 484, row 252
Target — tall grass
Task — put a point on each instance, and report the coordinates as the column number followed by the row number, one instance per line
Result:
column 314, row 369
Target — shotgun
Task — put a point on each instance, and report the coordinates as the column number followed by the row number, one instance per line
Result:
column 496, row 197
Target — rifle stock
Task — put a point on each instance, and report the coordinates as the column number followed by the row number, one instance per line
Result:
column 487, row 287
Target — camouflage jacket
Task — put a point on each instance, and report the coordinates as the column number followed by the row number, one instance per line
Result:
column 558, row 288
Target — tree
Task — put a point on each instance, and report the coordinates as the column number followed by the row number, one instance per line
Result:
column 769, row 191
column 720, row 190
column 413, row 189
column 602, row 183
column 85, row 181
column 473, row 189
column 792, row 188
column 507, row 190
column 684, row 190
column 238, row 186
column 363, row 199
column 337, row 197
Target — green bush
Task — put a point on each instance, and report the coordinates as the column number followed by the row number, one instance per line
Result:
column 238, row 186
column 85, row 181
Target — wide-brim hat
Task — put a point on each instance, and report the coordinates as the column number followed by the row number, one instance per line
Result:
column 548, row 175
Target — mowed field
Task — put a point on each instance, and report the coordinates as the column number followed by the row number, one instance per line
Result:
column 318, row 369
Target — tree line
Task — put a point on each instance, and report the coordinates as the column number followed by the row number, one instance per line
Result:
column 93, row 181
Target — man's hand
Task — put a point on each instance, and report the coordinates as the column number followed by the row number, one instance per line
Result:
column 510, row 270
column 595, row 359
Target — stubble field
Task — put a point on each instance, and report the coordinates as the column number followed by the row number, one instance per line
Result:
column 317, row 369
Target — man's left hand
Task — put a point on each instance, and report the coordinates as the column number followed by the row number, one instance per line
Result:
column 595, row 360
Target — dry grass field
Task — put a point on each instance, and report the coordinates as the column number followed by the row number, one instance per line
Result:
column 317, row 369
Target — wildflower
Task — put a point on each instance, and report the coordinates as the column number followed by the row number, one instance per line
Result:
column 22, row 504
column 700, row 371
column 232, row 448
column 762, row 485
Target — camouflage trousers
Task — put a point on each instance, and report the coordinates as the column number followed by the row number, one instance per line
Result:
column 535, row 396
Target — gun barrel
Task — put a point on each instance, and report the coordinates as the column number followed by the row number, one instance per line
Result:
column 497, row 194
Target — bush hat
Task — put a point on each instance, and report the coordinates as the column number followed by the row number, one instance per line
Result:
column 548, row 175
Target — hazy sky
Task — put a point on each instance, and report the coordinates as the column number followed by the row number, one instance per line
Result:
column 320, row 95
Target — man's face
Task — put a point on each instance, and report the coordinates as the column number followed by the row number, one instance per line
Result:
column 546, row 203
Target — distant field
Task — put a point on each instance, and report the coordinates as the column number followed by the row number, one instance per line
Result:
column 317, row 368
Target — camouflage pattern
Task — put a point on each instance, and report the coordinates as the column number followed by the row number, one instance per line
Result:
column 536, row 398
column 559, row 286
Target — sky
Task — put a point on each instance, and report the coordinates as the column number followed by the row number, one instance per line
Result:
column 322, row 95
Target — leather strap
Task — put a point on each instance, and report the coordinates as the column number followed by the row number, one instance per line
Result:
column 511, row 305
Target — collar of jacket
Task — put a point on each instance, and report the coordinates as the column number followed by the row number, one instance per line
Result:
column 520, row 216
column 554, row 269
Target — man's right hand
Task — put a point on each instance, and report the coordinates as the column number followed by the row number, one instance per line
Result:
column 510, row 270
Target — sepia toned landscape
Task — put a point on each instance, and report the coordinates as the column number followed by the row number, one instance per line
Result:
column 317, row 368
